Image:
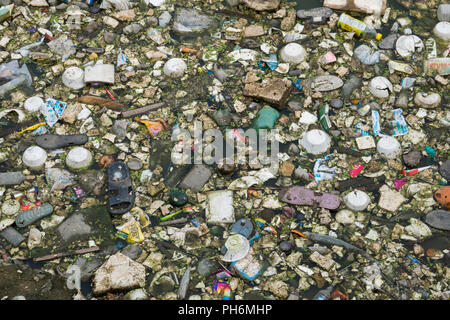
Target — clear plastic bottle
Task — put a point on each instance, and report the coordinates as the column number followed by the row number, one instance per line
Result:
column 361, row 29
column 11, row 178
column 324, row 294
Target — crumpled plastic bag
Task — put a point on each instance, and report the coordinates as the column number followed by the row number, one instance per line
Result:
column 116, row 4
column 9, row 69
column 63, row 47
column 367, row 55
column 59, row 179
column 25, row 50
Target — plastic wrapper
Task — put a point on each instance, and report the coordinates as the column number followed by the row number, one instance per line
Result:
column 321, row 171
column 52, row 111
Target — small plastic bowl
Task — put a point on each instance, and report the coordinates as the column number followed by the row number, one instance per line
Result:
column 79, row 158
column 73, row 78
column 316, row 141
column 389, row 147
column 34, row 157
column 357, row 200
column 293, row 53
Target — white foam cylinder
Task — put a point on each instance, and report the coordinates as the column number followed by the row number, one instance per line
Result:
column 34, row 157
column 79, row 158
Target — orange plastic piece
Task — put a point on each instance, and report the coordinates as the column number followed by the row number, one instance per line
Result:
column 153, row 127
column 188, row 50
column 299, row 233
column 443, row 197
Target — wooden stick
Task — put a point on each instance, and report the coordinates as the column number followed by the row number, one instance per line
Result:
column 65, row 254
column 172, row 222
column 139, row 111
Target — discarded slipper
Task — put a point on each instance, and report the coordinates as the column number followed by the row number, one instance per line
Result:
column 55, row 141
column 120, row 189
column 302, row 196
column 439, row 219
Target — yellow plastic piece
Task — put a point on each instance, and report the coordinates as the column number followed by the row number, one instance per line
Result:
column 33, row 127
column 133, row 229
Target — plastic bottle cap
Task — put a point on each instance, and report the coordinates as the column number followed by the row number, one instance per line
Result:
column 175, row 68
column 389, row 147
column 34, row 157
column 78, row 157
column 316, row 141
column 379, row 36
column 293, row 53
column 33, row 104
column 357, row 200
column 73, row 78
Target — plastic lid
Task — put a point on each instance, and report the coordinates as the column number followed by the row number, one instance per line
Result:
column 379, row 36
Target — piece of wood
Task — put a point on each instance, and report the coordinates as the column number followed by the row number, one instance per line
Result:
column 102, row 102
column 65, row 254
column 172, row 222
column 139, row 111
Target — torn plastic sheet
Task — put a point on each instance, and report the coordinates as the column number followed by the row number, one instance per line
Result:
column 9, row 69
column 321, row 171
column 249, row 267
column 25, row 51
column 121, row 59
column 18, row 77
column 52, row 111
column 399, row 124
column 407, row 82
column 400, row 183
column 358, row 129
column 272, row 62
column 376, row 127
column 63, row 47
column 222, row 289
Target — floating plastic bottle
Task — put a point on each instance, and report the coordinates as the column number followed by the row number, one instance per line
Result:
column 324, row 294
column 361, row 29
column 30, row 216
column 11, row 178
